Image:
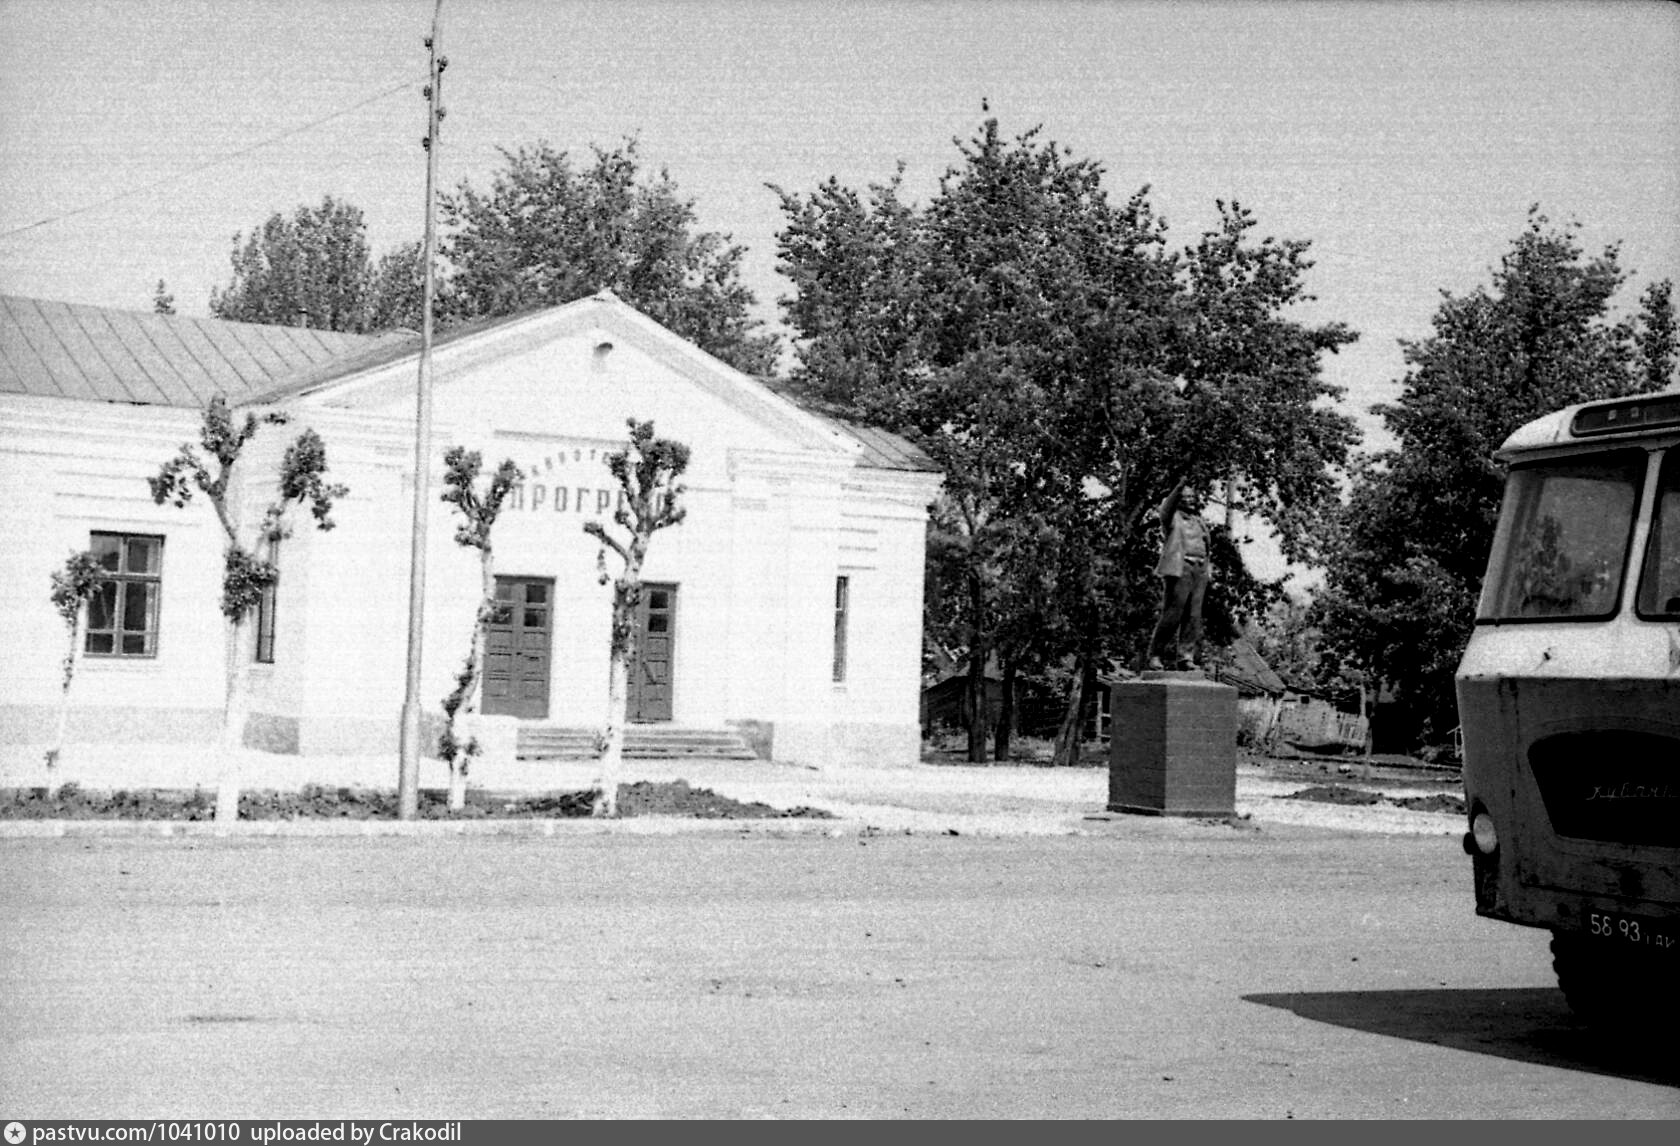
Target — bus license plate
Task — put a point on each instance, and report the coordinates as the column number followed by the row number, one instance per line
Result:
column 1647, row 933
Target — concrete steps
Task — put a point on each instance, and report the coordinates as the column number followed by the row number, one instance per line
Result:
column 641, row 742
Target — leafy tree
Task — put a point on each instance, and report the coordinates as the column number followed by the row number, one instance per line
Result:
column 479, row 509
column 396, row 290
column 162, row 301
column 73, row 586
column 857, row 269
column 961, row 325
column 548, row 232
column 248, row 566
column 1413, row 542
column 1656, row 342
column 648, row 472
column 1065, row 369
column 311, row 268
column 1289, row 636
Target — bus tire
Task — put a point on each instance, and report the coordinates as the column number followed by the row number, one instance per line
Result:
column 1609, row 988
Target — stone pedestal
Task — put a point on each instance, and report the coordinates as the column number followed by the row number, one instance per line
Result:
column 1173, row 746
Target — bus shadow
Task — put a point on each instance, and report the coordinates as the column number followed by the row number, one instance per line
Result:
column 1531, row 1025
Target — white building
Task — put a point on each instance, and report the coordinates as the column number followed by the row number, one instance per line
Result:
column 785, row 609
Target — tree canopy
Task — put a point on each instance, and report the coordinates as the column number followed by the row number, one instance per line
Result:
column 1065, row 368
column 546, row 231
column 1413, row 542
column 310, row 268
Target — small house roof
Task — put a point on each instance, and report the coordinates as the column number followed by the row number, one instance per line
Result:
column 1249, row 671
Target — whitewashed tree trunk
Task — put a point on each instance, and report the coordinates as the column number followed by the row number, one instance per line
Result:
column 458, row 780
column 612, row 740
column 474, row 693
column 230, row 766
column 458, row 763
column 55, row 754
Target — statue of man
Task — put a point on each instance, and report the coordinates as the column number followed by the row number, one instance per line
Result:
column 1183, row 570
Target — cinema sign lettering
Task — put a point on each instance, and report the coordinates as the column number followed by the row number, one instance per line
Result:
column 542, row 497
column 556, row 483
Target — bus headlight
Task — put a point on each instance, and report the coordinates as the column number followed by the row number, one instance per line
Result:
column 1484, row 833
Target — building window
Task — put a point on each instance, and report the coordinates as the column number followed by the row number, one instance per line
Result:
column 123, row 614
column 842, row 602
column 265, row 610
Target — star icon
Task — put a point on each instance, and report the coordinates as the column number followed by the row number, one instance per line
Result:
column 15, row 1133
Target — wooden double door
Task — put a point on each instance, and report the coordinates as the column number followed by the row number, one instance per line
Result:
column 518, row 646
column 520, row 642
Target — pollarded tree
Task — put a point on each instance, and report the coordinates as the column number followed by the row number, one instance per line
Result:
column 1409, row 556
column 548, row 231
column 310, row 268
column 248, row 561
column 479, row 509
column 73, row 586
column 648, row 472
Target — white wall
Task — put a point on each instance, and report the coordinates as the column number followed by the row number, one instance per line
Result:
column 776, row 510
column 70, row 469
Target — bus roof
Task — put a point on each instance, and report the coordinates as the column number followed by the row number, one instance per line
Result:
column 1612, row 418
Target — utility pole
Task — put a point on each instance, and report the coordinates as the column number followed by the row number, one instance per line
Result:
column 408, row 769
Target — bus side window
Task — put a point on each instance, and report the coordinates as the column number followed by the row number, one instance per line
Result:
column 1659, row 584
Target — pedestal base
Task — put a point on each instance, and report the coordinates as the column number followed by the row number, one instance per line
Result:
column 1173, row 748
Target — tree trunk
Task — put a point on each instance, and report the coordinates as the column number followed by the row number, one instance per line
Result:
column 1006, row 711
column 625, row 597
column 458, row 781
column 234, row 714
column 977, row 653
column 470, row 696
column 1364, row 714
column 612, row 740
column 1080, row 695
column 458, row 762
column 977, row 705
column 55, row 754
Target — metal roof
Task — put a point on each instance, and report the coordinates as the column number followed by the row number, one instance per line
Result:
column 69, row 350
column 885, row 450
column 882, row 449
column 92, row 353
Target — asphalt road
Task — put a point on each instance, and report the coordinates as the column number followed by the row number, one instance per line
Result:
column 1151, row 969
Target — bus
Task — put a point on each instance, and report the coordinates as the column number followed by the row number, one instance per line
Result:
column 1569, row 701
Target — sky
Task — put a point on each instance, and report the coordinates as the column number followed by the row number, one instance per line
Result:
column 1406, row 141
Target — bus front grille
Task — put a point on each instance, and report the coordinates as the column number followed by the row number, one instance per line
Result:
column 1614, row 785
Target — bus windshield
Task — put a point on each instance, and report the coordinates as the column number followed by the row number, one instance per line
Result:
column 1568, row 525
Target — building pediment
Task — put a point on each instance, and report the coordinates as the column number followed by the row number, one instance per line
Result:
column 579, row 372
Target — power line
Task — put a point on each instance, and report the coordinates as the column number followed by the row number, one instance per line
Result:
column 220, row 159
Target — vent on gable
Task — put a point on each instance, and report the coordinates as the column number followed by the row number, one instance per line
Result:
column 600, row 359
